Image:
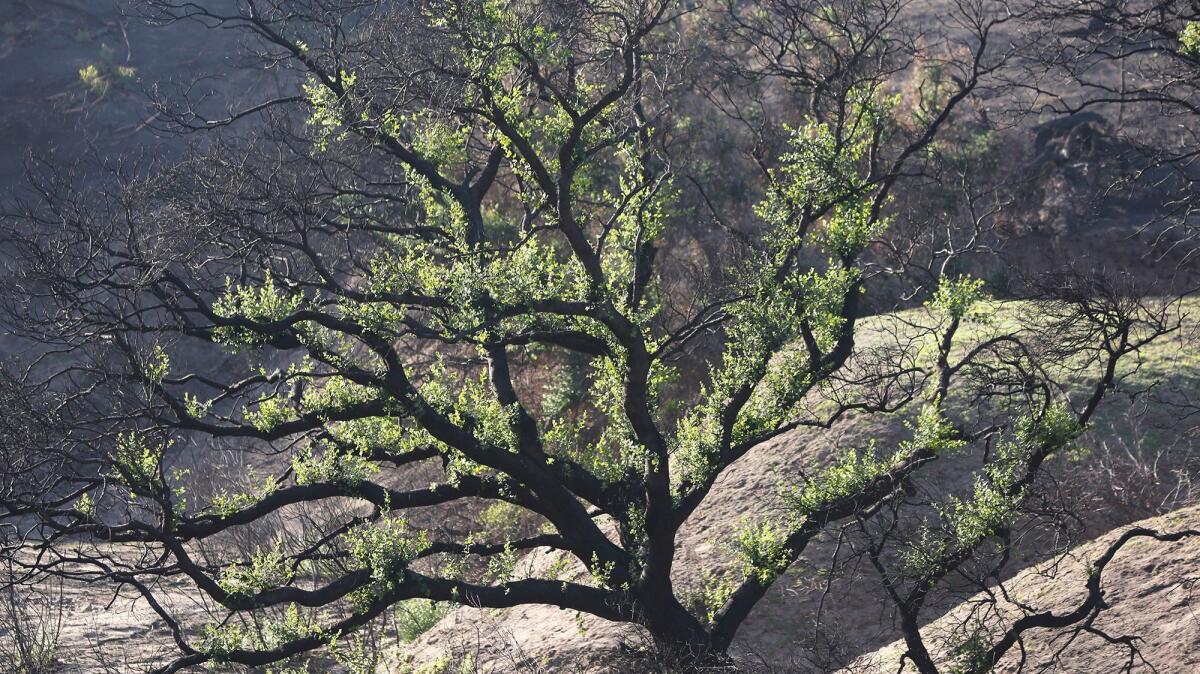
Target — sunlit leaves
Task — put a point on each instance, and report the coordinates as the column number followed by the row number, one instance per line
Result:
column 334, row 394
column 501, row 280
column 439, row 138
column 1189, row 39
column 778, row 378
column 266, row 569
column 263, row 303
column 157, row 365
column 86, row 506
column 219, row 641
column 997, row 492
column 332, row 466
column 136, row 464
column 384, row 549
column 850, row 473
column 824, row 177
column 617, row 449
column 269, row 414
column 825, row 174
column 932, row 432
column 960, row 298
column 850, row 226
column 372, row 435
column 328, row 110
column 761, row 550
column 225, row 503
column 715, row 590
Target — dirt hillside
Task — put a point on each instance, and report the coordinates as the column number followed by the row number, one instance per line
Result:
column 1150, row 587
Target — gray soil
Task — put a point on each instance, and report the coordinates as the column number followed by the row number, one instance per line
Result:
column 47, row 110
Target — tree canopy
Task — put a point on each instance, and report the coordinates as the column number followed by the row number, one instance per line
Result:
column 560, row 262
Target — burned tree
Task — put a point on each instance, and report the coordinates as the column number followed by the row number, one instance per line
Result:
column 461, row 210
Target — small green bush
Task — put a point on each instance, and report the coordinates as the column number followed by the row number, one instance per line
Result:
column 417, row 616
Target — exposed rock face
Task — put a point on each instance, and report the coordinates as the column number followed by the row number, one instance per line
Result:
column 1063, row 138
column 1085, row 175
column 1075, row 161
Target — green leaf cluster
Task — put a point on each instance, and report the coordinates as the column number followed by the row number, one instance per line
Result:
column 932, row 432
column 265, row 570
column 136, row 463
column 384, row 549
column 260, row 304
column 853, row 471
column 332, row 466
column 1189, row 39
column 415, row 617
column 761, row 550
column 959, row 297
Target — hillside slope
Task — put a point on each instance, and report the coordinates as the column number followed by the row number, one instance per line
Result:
column 1150, row 587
